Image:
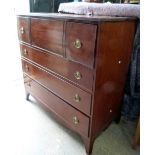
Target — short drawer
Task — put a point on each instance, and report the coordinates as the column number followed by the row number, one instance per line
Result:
column 23, row 29
column 80, row 42
column 68, row 92
column 77, row 73
column 48, row 34
column 70, row 116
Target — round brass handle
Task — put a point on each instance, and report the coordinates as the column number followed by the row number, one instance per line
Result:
column 77, row 98
column 25, row 52
column 22, row 31
column 77, row 43
column 77, row 75
column 75, row 120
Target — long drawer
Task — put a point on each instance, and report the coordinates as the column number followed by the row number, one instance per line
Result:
column 68, row 92
column 72, row 117
column 77, row 73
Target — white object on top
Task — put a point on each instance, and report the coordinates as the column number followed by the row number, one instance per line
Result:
column 100, row 9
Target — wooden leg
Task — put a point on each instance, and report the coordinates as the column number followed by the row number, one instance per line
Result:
column 118, row 118
column 27, row 96
column 136, row 139
column 88, row 145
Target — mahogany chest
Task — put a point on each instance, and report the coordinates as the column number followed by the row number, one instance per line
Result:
column 76, row 66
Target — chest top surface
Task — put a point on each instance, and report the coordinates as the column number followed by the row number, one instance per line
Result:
column 73, row 17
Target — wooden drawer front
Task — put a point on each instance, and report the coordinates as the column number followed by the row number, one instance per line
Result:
column 23, row 29
column 60, row 66
column 73, row 118
column 73, row 95
column 80, row 42
column 47, row 34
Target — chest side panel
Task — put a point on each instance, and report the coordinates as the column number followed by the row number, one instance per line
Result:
column 115, row 42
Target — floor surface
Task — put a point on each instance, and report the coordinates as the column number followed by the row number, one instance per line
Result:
column 26, row 129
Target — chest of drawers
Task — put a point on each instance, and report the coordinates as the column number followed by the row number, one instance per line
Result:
column 76, row 67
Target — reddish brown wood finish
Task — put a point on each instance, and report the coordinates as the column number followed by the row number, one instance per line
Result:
column 86, row 34
column 113, row 56
column 53, row 82
column 48, row 34
column 59, row 87
column 60, row 108
column 23, row 29
column 60, row 66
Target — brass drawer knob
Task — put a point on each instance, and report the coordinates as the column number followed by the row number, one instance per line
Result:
column 22, row 31
column 25, row 52
column 75, row 120
column 77, row 43
column 77, row 98
column 77, row 75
